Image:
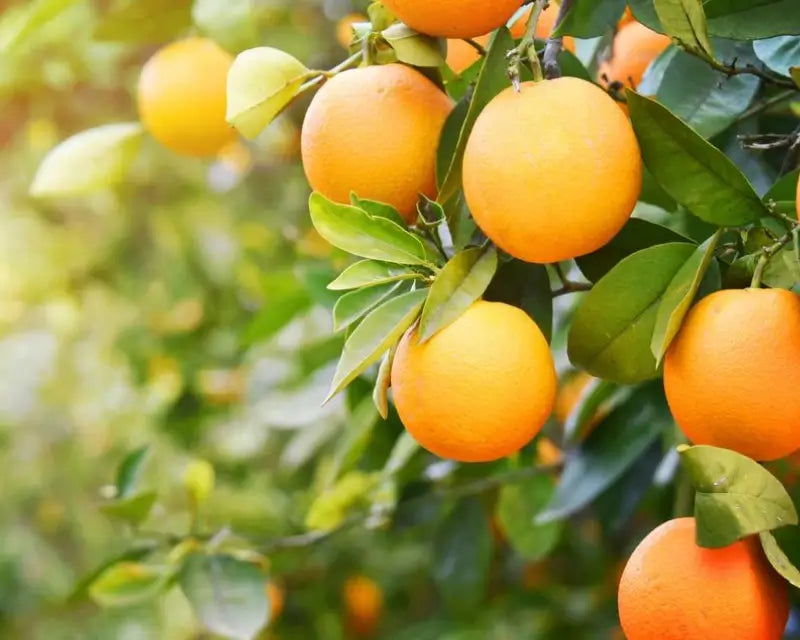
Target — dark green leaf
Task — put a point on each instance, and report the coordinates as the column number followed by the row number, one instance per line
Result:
column 376, row 333
column 752, row 19
column 614, row 446
column 227, row 594
column 778, row 545
column 492, row 80
column 685, row 21
column 613, row 326
column 527, row 286
column 705, row 99
column 355, row 304
column 690, row 169
column 462, row 553
column 591, row 19
column 679, row 295
column 517, row 508
column 636, row 235
column 784, row 189
column 583, row 416
column 783, row 269
column 736, row 496
column 448, row 141
column 129, row 471
column 355, row 231
column 133, row 508
column 129, row 583
column 461, row 282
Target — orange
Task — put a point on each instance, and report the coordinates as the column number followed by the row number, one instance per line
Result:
column 363, row 600
column 480, row 389
column 182, row 97
column 277, row 599
column 461, row 55
column 635, row 47
column 375, row 131
column 554, row 192
column 732, row 374
column 454, row 18
column 344, row 28
column 673, row 589
column 626, row 18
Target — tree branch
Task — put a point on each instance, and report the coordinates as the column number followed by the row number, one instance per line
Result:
column 555, row 44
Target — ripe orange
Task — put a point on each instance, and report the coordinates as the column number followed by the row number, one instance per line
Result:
column 363, row 601
column 626, row 18
column 277, row 599
column 732, row 373
column 554, row 192
column 461, row 55
column 673, row 589
column 344, row 28
column 635, row 47
column 454, row 18
column 480, row 389
column 182, row 97
column 375, row 131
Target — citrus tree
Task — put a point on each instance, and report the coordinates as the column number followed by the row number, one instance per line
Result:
column 524, row 364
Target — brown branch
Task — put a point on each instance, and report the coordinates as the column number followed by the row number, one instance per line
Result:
column 555, row 44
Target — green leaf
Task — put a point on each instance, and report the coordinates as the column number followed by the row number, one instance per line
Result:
column 330, row 508
column 591, row 19
column 517, row 508
column 527, row 286
column 613, row 326
column 145, row 21
column 462, row 553
column 352, row 443
column 752, row 19
column 81, row 589
column 636, row 235
column 690, row 169
column 492, row 80
column 462, row 281
column 414, row 48
column 23, row 21
column 227, row 594
column 355, row 231
column 403, row 450
column 261, row 82
column 776, row 551
column 679, row 296
column 784, row 189
column 783, row 269
column 612, row 448
column 355, row 304
column 380, row 392
column 129, row 583
column 685, row 21
column 448, row 140
column 133, row 508
column 88, row 161
column 705, row 99
column 130, row 470
column 378, row 209
column 779, row 54
column 582, row 418
column 231, row 23
column 736, row 496
column 795, row 73
column 367, row 273
column 376, row 333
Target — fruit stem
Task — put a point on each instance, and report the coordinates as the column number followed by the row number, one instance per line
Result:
column 555, row 44
column 527, row 48
column 318, row 77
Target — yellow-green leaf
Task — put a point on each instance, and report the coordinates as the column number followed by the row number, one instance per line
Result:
column 261, row 82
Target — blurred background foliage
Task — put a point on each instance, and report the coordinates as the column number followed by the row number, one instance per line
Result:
column 187, row 310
